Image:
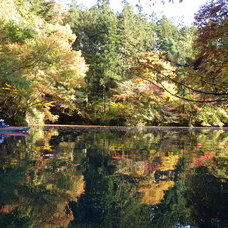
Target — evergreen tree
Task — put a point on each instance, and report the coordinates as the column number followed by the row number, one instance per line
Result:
column 136, row 36
column 176, row 42
column 97, row 34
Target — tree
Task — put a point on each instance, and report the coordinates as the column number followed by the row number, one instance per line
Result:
column 175, row 41
column 211, row 64
column 38, row 67
column 110, row 44
column 136, row 36
column 204, row 74
column 97, row 34
column 151, row 97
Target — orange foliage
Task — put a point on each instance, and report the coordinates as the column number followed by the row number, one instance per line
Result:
column 200, row 161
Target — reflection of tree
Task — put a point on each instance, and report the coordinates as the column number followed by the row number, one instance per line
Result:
column 39, row 193
column 199, row 198
column 118, row 166
column 153, row 193
column 155, row 175
column 110, row 200
column 150, row 178
column 143, row 180
column 210, row 193
column 39, row 205
column 212, row 150
column 12, row 152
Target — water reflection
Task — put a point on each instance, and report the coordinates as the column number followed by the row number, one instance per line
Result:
column 8, row 134
column 77, row 177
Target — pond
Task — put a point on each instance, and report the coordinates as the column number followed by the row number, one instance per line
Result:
column 114, row 177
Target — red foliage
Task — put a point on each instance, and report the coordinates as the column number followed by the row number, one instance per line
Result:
column 152, row 166
column 120, row 97
column 158, row 91
column 200, row 161
column 7, row 208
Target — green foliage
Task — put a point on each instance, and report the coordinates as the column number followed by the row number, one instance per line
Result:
column 110, row 44
column 137, row 35
column 176, row 42
column 45, row 10
column 209, row 116
column 15, row 33
column 97, row 37
column 116, row 114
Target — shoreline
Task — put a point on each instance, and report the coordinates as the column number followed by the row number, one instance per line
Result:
column 127, row 127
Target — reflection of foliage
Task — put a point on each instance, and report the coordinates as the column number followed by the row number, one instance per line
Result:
column 172, row 209
column 38, row 192
column 134, row 178
column 218, row 161
column 119, row 165
column 199, row 199
column 218, row 167
column 211, row 197
column 110, row 200
column 40, row 203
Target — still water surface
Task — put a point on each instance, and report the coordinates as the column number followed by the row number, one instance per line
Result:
column 114, row 177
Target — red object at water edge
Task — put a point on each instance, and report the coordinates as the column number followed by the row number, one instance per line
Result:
column 7, row 128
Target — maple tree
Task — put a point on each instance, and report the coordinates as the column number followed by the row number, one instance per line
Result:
column 211, row 64
column 204, row 73
column 38, row 66
column 208, row 73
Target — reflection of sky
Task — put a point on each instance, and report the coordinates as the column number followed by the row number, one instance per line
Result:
column 2, row 138
column 179, row 11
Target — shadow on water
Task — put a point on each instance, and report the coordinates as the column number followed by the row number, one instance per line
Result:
column 114, row 177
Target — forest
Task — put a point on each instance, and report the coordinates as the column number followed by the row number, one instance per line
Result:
column 96, row 66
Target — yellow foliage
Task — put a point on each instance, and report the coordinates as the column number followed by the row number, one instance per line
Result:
column 169, row 162
column 8, row 10
column 45, row 61
column 170, row 88
column 154, row 64
column 153, row 193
